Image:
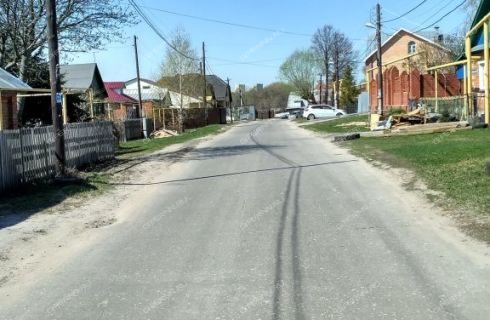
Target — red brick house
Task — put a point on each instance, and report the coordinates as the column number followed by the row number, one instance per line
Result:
column 10, row 86
column 119, row 106
column 405, row 57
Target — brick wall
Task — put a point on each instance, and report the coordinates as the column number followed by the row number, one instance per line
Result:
column 9, row 111
column 399, row 89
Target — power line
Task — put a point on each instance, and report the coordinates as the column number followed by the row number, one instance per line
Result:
column 227, row 22
column 159, row 34
column 233, row 24
column 404, row 14
column 444, row 16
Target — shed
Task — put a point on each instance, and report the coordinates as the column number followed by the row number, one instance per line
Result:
column 10, row 86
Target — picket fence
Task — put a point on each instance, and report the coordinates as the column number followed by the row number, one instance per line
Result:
column 28, row 154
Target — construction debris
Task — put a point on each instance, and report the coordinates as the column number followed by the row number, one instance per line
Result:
column 163, row 133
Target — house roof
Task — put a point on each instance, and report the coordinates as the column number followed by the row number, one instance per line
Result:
column 396, row 34
column 114, row 96
column 156, row 94
column 219, row 85
column 175, row 97
column 141, row 80
column 476, row 38
column 9, row 81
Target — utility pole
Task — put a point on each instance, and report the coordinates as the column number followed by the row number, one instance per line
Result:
column 231, row 107
column 378, row 58
column 55, row 84
column 204, row 97
column 138, row 80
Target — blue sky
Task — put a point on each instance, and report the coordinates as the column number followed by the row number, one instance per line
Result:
column 263, row 51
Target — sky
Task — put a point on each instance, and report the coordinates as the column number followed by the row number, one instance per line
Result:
column 249, row 56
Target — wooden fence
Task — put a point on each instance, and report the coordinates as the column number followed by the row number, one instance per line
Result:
column 27, row 154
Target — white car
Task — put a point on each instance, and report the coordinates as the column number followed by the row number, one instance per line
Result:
column 322, row 111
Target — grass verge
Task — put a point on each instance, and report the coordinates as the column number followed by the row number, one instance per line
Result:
column 359, row 123
column 453, row 163
column 144, row 146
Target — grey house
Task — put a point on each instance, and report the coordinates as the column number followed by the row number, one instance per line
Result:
column 85, row 82
column 222, row 91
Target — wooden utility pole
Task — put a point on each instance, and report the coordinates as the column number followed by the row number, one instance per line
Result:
column 205, row 82
column 231, row 107
column 138, row 80
column 378, row 58
column 55, row 84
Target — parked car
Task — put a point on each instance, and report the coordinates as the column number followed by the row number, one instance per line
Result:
column 322, row 111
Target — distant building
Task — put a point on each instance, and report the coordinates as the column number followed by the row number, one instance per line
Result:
column 259, row 86
column 240, row 87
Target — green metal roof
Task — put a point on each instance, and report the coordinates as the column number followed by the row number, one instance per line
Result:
column 482, row 11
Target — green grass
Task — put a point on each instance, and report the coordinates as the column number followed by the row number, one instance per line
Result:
column 340, row 125
column 453, row 163
column 145, row 146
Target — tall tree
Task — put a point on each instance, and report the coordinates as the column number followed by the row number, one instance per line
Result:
column 299, row 70
column 182, row 58
column 343, row 56
column 322, row 45
column 82, row 25
column 348, row 89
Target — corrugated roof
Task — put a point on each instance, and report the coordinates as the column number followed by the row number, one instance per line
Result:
column 78, row 76
column 9, row 81
column 186, row 100
column 156, row 94
column 113, row 95
column 219, row 85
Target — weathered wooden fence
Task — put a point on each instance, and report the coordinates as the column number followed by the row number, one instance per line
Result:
column 28, row 154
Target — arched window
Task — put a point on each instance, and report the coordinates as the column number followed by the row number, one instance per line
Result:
column 412, row 47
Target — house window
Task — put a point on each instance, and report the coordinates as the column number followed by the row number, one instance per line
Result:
column 481, row 75
column 412, row 47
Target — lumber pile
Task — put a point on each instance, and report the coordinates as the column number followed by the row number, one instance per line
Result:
column 416, row 116
column 429, row 128
column 163, row 133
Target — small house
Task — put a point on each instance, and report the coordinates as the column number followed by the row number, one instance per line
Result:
column 10, row 87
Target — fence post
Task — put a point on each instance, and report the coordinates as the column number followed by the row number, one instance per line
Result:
column 22, row 155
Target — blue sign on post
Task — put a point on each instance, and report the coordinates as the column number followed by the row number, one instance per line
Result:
column 58, row 97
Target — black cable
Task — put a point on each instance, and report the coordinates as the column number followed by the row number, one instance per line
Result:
column 159, row 34
column 409, row 11
column 228, row 23
column 444, row 16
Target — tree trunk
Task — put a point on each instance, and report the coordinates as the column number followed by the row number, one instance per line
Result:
column 21, row 100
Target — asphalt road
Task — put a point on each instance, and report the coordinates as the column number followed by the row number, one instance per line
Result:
column 267, row 222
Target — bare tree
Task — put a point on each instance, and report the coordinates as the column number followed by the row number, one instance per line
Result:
column 322, row 45
column 182, row 58
column 299, row 70
column 82, row 25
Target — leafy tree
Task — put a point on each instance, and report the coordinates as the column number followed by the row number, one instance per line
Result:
column 299, row 71
column 82, row 25
column 182, row 58
column 348, row 89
